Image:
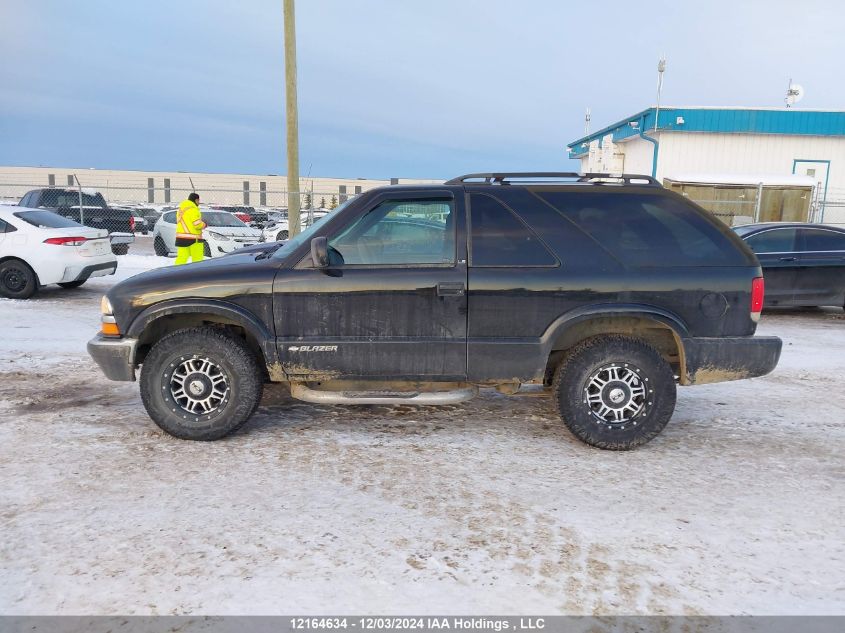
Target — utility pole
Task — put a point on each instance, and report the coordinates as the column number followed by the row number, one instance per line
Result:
column 661, row 68
column 291, row 119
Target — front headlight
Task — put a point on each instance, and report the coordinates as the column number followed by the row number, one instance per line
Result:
column 219, row 236
column 108, row 325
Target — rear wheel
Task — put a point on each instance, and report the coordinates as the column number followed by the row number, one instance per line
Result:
column 206, row 249
column 282, row 235
column 200, row 384
column 17, row 279
column 72, row 284
column 614, row 392
column 159, row 246
column 120, row 249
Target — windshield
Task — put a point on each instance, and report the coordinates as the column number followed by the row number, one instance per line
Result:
column 292, row 244
column 46, row 219
column 70, row 198
column 221, row 218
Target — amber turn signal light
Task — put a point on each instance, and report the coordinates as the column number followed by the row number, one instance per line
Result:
column 110, row 329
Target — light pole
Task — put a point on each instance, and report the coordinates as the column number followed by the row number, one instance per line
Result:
column 291, row 119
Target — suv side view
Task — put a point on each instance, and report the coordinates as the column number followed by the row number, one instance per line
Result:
column 606, row 290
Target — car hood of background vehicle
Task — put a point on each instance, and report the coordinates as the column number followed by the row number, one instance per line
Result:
column 235, row 231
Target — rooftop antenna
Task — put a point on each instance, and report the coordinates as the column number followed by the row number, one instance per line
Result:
column 587, row 122
column 794, row 94
column 661, row 68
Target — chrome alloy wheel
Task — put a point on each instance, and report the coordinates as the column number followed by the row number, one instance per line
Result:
column 199, row 386
column 617, row 394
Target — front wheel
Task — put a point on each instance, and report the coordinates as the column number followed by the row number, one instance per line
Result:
column 17, row 279
column 282, row 235
column 614, row 392
column 200, row 384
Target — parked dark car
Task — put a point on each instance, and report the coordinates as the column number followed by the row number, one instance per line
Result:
column 803, row 264
column 604, row 290
column 95, row 212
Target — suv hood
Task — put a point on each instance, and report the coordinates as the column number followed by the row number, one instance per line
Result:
column 232, row 279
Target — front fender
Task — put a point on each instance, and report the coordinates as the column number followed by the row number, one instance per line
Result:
column 231, row 312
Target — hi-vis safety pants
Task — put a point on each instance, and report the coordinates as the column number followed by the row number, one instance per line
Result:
column 194, row 252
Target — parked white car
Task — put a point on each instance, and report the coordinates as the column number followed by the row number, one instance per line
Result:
column 39, row 247
column 225, row 233
column 277, row 229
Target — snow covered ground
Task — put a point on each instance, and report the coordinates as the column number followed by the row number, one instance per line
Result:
column 486, row 507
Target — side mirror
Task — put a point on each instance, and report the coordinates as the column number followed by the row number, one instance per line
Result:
column 320, row 252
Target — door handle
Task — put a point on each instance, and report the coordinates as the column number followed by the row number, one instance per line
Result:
column 450, row 289
column 787, row 259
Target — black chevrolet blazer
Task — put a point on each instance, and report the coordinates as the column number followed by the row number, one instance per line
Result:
column 605, row 290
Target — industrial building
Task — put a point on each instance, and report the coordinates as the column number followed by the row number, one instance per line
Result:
column 162, row 187
column 744, row 164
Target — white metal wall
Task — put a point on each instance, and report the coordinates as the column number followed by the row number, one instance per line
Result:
column 710, row 153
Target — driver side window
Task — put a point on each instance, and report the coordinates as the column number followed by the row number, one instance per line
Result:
column 400, row 232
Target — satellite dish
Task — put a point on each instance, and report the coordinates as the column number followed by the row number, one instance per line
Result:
column 794, row 94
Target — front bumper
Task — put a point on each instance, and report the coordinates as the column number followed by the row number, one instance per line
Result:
column 115, row 356
column 218, row 247
column 708, row 360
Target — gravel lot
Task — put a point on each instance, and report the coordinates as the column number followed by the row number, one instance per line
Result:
column 486, row 507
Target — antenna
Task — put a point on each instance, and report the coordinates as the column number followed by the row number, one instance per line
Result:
column 794, row 94
column 661, row 68
column 587, row 122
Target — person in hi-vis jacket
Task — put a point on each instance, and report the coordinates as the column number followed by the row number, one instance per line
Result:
column 189, row 226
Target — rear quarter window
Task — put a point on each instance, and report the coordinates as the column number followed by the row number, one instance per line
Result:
column 648, row 230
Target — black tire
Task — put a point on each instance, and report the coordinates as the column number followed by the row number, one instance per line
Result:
column 17, row 279
column 120, row 249
column 159, row 247
column 206, row 249
column 172, row 357
column 69, row 285
column 282, row 235
column 649, row 392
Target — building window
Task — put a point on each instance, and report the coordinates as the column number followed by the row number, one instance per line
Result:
column 70, row 181
column 51, row 180
column 262, row 196
column 151, row 191
column 167, row 189
column 246, row 192
column 342, row 194
column 357, row 189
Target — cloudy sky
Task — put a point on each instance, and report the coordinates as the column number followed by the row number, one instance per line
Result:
column 422, row 89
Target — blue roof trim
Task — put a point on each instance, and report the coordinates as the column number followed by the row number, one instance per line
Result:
column 721, row 120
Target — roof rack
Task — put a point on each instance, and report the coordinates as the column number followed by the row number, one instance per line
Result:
column 543, row 177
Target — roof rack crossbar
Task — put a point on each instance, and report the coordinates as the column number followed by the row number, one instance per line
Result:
column 503, row 178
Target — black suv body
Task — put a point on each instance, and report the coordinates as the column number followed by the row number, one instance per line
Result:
column 605, row 290
column 96, row 213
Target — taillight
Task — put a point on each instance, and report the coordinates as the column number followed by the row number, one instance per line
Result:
column 66, row 241
column 132, row 223
column 757, row 292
